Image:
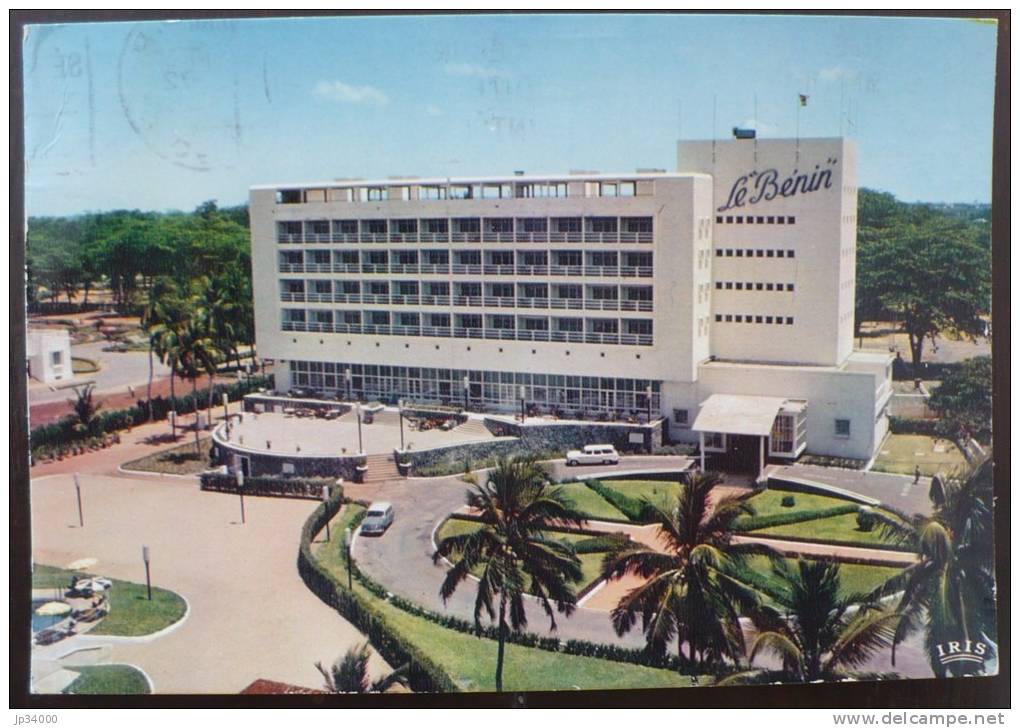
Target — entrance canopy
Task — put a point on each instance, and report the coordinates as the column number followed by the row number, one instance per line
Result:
column 738, row 414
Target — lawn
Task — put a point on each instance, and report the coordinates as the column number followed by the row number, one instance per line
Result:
column 471, row 661
column 591, row 564
column 131, row 613
column 901, row 453
column 108, row 680
column 854, row 578
column 835, row 529
column 769, row 502
column 656, row 491
column 589, row 503
column 177, row 460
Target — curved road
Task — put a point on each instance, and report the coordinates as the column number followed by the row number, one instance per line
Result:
column 401, row 560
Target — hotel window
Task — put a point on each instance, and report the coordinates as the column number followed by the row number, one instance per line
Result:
column 771, row 219
column 460, row 192
column 782, row 434
column 604, row 293
column 535, row 323
column 740, row 219
column 759, row 286
column 435, row 225
column 569, row 257
column 791, row 220
column 642, row 327
column 439, row 320
column 374, row 194
column 761, row 220
column 467, row 225
column 757, row 319
column 406, row 227
column 729, row 285
column 373, row 227
column 718, row 253
column 780, row 253
column 532, row 224
column 739, row 286
column 768, row 319
column 432, row 192
column 379, row 318
column 680, row 417
column 780, row 220
column 718, row 285
column 569, row 291
column 604, row 326
column 608, row 189
column 501, row 257
column 729, row 318
column 437, row 257
column 715, row 440
column 789, row 320
column 738, row 319
column 468, row 289
column 759, row 253
column 637, row 224
column 345, row 227
column 768, row 286
column 569, row 324
column 740, row 252
column 494, row 192
column 842, row 428
column 770, row 253
column 288, row 197
column 789, row 286
column 567, row 224
column 729, row 219
column 789, row 253
column 469, row 320
column 501, row 322
column 502, row 290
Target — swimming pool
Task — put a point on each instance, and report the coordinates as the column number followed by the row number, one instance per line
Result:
column 40, row 622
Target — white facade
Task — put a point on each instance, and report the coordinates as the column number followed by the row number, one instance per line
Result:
column 589, row 291
column 48, row 352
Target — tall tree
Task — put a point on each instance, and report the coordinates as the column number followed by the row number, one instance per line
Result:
column 963, row 401
column 513, row 552
column 693, row 591
column 818, row 633
column 950, row 590
column 929, row 270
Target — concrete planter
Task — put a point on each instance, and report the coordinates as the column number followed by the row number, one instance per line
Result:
column 359, row 473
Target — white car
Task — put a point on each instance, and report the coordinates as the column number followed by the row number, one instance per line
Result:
column 594, row 455
column 378, row 519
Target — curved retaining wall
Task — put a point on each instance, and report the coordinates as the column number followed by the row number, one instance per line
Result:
column 570, row 435
column 266, row 462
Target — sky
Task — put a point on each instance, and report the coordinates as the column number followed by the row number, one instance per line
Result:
column 166, row 115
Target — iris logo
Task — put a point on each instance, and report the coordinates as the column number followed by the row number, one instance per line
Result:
column 965, row 651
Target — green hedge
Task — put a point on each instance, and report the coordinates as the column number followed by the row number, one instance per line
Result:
column 912, row 426
column 423, row 674
column 286, row 486
column 636, row 510
column 754, row 523
column 598, row 544
column 53, row 438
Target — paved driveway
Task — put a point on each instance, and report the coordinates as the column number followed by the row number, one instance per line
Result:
column 250, row 615
column 897, row 491
column 401, row 560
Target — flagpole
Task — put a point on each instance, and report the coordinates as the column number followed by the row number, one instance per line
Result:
column 797, row 154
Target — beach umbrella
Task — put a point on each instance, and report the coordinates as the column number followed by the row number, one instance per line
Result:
column 82, row 564
column 53, row 609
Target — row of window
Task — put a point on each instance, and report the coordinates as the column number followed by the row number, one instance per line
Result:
column 470, row 293
column 749, row 286
column 754, row 253
column 756, row 219
column 468, row 229
column 631, row 331
column 572, row 395
column 753, row 319
column 466, row 191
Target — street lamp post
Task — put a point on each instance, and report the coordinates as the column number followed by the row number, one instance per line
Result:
column 173, row 425
column 467, row 390
column 148, row 581
column 357, row 411
column 226, row 413
column 522, row 393
column 239, row 476
column 400, row 415
column 347, row 546
column 77, row 490
column 325, row 499
column 347, row 378
column 648, row 401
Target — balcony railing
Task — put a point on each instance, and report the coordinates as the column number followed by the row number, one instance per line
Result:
column 403, row 237
column 575, row 303
column 295, row 326
column 347, row 297
column 468, row 333
column 533, row 334
column 405, row 300
column 468, row 268
column 404, row 267
column 500, row 237
column 345, row 237
column 375, row 298
column 318, row 267
column 441, row 300
column 346, row 267
column 604, row 237
column 434, row 237
column 573, row 337
column 643, row 237
column 320, row 297
column 566, row 270
column 375, row 267
column 292, row 267
column 571, row 237
column 499, row 301
column 532, row 302
column 504, row 334
column 466, row 237
column 498, row 270
column 436, row 331
column 602, row 304
column 533, row 270
column 635, row 305
column 285, row 238
column 318, row 238
column 639, row 271
column 435, row 267
column 522, row 237
column 373, row 237
column 602, row 270
column 467, row 300
column 292, row 296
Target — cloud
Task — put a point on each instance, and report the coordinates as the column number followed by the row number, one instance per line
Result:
column 474, row 70
column 837, row 73
column 433, row 110
column 347, row 94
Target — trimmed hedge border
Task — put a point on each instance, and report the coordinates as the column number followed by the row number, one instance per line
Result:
column 912, row 426
column 635, row 510
column 293, row 487
column 423, row 674
column 753, row 523
column 829, row 542
column 62, row 434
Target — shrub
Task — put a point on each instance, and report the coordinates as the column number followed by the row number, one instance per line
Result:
column 598, row 544
column 754, row 523
column 866, row 520
column 788, row 501
column 286, row 486
column 634, row 509
column 912, row 426
column 676, row 449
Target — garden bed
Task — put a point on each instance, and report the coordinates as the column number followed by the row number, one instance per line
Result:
column 108, row 680
column 179, row 460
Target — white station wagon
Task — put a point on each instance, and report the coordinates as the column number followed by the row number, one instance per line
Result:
column 594, row 455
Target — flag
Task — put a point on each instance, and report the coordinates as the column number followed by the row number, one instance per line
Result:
column 803, row 99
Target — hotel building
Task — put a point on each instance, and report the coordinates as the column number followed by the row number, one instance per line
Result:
column 719, row 297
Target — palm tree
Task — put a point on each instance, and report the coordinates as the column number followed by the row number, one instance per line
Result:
column 512, row 553
column 694, row 590
column 197, row 355
column 822, row 634
column 159, row 315
column 950, row 590
column 85, row 408
column 349, row 674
